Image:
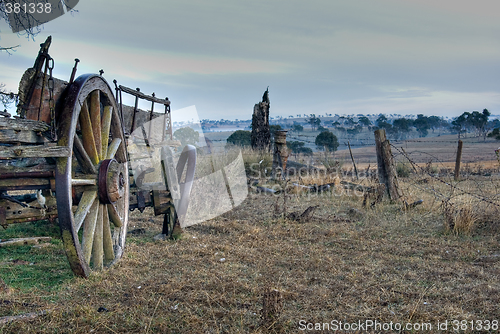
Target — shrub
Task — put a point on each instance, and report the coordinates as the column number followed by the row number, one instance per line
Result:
column 240, row 138
column 327, row 140
column 402, row 170
column 187, row 136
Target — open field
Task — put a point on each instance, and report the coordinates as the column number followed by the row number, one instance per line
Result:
column 436, row 149
column 347, row 263
column 441, row 151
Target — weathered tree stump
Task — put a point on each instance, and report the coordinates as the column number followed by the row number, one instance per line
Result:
column 261, row 134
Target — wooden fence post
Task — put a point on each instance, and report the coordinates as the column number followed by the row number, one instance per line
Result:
column 379, row 139
column 280, row 155
column 353, row 163
column 385, row 162
column 457, row 162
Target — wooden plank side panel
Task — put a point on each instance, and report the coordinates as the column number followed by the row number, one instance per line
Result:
column 21, row 136
column 25, row 183
column 18, row 124
column 34, row 151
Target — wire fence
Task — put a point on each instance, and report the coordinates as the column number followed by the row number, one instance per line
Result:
column 429, row 166
column 436, row 163
column 436, row 176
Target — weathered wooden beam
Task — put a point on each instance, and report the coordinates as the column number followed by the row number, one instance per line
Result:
column 143, row 96
column 24, row 241
column 7, row 168
column 34, row 151
column 10, row 136
column 15, row 212
column 23, row 124
column 24, row 184
column 26, row 174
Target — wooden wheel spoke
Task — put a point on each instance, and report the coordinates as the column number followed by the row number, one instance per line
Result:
column 106, row 125
column 113, row 147
column 95, row 118
column 89, row 228
column 114, row 215
column 83, row 158
column 88, row 198
column 97, row 248
column 88, row 135
column 109, row 254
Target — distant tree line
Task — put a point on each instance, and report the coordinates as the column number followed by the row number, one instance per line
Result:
column 399, row 128
column 472, row 121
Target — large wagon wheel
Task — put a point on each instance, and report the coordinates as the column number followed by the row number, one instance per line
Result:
column 92, row 185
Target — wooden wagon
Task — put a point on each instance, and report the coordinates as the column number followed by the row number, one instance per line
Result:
column 69, row 144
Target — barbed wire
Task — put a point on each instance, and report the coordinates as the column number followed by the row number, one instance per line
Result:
column 424, row 171
column 434, row 157
column 424, row 141
column 345, row 143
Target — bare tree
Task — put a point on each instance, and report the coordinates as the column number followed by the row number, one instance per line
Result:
column 6, row 98
column 25, row 24
column 25, row 17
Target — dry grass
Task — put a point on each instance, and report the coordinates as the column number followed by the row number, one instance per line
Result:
column 347, row 263
column 459, row 220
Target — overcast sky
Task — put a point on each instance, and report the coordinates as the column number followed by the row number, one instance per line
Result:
column 340, row 57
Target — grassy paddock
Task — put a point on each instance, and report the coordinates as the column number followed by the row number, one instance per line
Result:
column 348, row 263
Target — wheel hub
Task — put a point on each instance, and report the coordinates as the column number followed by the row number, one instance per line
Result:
column 111, row 181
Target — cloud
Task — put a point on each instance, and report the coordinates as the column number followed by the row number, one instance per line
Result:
column 439, row 103
column 143, row 63
column 322, row 55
